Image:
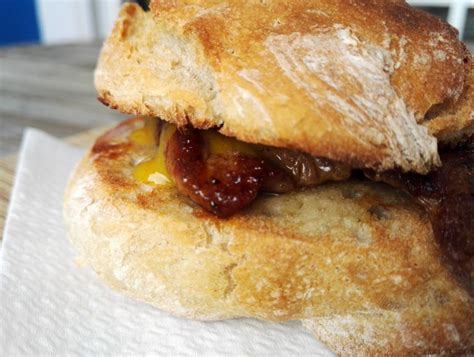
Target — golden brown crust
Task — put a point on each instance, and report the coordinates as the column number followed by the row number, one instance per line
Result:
column 343, row 80
column 357, row 256
column 431, row 62
column 454, row 122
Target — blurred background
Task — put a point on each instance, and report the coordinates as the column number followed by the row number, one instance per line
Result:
column 48, row 50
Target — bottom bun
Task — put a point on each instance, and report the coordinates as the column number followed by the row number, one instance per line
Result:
column 355, row 261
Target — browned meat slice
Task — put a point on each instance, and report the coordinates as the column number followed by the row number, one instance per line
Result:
column 221, row 184
column 224, row 183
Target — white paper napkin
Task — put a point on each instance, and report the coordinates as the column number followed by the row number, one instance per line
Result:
column 48, row 306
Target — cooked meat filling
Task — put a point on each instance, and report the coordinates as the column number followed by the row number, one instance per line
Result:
column 220, row 183
column 224, row 181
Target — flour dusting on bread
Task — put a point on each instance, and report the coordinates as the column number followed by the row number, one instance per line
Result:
column 356, row 80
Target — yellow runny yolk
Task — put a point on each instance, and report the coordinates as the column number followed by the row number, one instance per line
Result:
column 154, row 171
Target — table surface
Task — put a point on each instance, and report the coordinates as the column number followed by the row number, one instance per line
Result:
column 50, row 88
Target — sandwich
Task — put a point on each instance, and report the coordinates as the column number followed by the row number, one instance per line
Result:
column 287, row 160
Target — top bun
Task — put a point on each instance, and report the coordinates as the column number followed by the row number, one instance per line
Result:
column 350, row 81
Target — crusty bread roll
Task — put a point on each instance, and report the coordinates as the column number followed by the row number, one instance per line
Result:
column 369, row 83
column 346, row 80
column 355, row 261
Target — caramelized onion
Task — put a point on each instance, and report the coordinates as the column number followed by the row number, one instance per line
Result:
column 305, row 169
